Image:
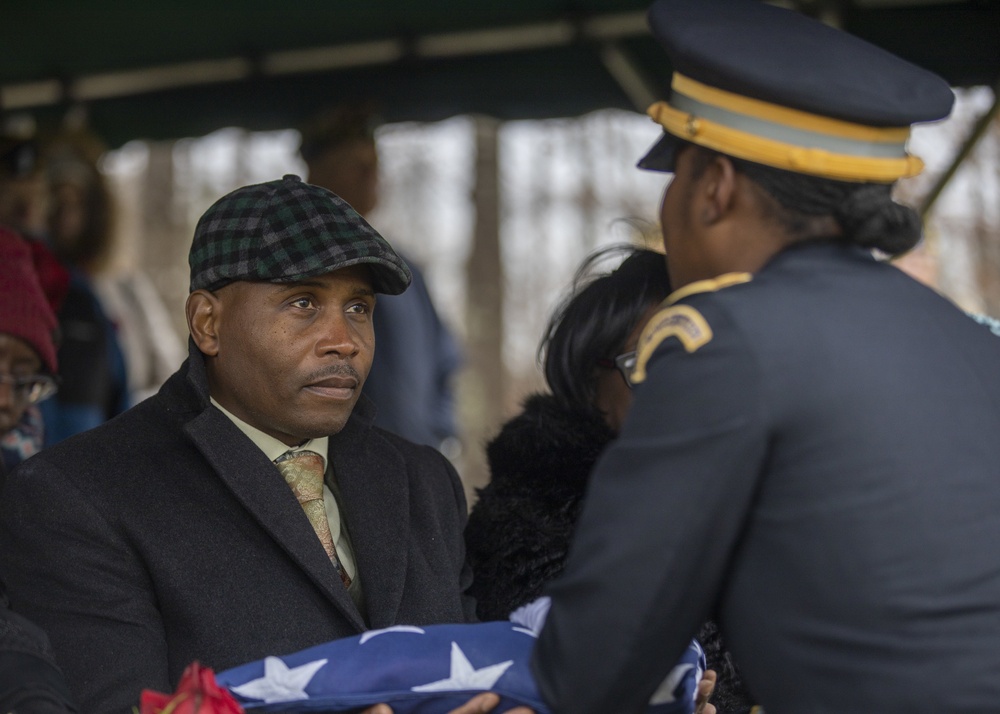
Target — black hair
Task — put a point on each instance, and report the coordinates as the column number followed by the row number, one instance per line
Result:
column 865, row 212
column 595, row 319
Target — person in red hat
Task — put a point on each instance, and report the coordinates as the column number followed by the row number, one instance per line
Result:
column 31, row 283
column 30, row 682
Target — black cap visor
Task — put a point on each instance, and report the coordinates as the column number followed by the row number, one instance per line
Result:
column 661, row 156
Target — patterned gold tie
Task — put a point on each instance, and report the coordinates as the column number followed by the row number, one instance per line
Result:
column 303, row 471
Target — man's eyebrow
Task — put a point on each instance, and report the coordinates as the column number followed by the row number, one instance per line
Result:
column 362, row 290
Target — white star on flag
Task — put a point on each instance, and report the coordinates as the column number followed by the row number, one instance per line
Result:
column 396, row 628
column 464, row 675
column 664, row 694
column 280, row 683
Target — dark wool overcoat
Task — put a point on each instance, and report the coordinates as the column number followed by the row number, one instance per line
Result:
column 813, row 455
column 29, row 679
column 166, row 536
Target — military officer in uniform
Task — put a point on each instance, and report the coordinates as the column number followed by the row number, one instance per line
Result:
column 812, row 456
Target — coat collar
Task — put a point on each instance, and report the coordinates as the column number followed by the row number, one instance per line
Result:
column 372, row 478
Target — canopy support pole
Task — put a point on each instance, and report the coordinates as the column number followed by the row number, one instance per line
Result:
column 970, row 143
column 625, row 71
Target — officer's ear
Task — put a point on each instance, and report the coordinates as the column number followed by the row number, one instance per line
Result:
column 204, row 310
column 717, row 187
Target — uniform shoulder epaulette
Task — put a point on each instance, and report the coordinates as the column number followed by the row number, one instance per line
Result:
column 681, row 321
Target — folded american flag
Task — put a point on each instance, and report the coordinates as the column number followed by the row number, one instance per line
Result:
column 426, row 670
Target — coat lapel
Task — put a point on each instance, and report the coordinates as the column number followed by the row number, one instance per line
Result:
column 256, row 482
column 372, row 477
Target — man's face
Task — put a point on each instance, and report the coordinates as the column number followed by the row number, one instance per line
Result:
column 17, row 359
column 350, row 170
column 291, row 358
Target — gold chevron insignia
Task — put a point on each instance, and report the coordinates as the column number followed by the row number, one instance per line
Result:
column 708, row 286
column 680, row 321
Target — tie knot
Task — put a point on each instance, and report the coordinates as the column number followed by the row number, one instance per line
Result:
column 303, row 471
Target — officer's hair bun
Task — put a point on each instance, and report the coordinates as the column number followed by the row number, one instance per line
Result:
column 866, row 213
column 871, row 219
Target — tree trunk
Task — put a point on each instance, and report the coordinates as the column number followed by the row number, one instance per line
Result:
column 163, row 247
column 483, row 383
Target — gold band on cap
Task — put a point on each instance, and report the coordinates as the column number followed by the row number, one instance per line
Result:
column 784, row 138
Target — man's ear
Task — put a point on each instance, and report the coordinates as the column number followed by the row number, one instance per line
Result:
column 204, row 310
column 717, row 186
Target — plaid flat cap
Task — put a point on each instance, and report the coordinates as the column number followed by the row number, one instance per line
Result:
column 284, row 231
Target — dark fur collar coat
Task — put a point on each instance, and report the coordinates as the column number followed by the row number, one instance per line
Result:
column 519, row 531
column 520, row 528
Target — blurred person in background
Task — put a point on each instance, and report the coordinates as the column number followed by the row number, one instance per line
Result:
column 520, row 528
column 24, row 208
column 93, row 371
column 93, row 367
column 30, row 681
column 27, row 435
column 22, row 184
column 410, row 380
column 82, row 230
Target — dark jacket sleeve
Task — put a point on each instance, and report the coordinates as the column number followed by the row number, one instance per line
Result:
column 666, row 505
column 30, row 682
column 105, row 629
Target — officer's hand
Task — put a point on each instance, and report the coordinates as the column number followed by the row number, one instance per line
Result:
column 705, row 688
column 479, row 704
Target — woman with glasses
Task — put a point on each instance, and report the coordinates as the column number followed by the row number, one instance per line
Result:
column 30, row 682
column 520, row 528
column 27, row 347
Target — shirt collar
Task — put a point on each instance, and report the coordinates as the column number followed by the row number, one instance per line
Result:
column 273, row 448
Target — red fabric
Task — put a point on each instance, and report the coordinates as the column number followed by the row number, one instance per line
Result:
column 25, row 311
column 197, row 693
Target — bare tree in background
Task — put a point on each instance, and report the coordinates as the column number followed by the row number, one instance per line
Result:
column 484, row 382
column 960, row 255
column 985, row 234
column 163, row 247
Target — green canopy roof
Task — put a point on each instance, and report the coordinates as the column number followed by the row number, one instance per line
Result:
column 165, row 69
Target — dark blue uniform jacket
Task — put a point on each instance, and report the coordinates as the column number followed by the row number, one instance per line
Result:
column 815, row 453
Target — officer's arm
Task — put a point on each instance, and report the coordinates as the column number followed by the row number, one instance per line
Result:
column 663, row 513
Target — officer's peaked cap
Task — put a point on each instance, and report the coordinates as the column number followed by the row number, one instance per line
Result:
column 775, row 87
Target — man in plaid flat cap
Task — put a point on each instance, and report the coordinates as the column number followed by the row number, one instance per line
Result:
column 249, row 507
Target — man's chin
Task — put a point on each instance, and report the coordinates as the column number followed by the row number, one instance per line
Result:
column 325, row 424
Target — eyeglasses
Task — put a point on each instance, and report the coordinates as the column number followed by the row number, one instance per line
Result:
column 30, row 390
column 624, row 363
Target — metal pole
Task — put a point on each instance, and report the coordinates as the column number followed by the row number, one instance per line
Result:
column 970, row 143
